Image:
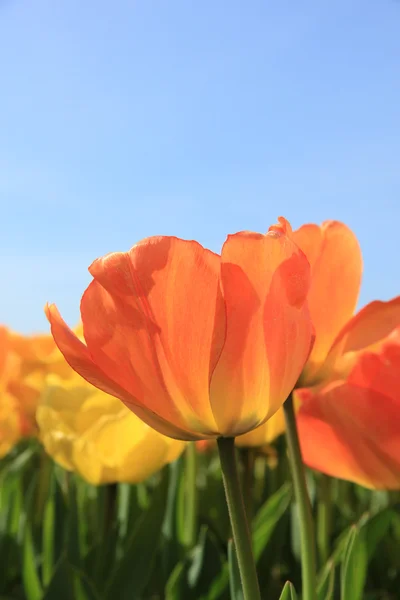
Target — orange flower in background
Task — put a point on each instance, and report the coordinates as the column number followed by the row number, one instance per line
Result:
column 15, row 411
column 196, row 344
column 25, row 362
column 351, row 428
column 336, row 268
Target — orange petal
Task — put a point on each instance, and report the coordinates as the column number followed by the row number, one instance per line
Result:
column 32, row 348
column 336, row 267
column 350, row 429
column 154, row 319
column 79, row 358
column 380, row 370
column 265, row 281
column 367, row 330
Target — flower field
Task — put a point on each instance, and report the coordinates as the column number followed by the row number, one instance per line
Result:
column 217, row 426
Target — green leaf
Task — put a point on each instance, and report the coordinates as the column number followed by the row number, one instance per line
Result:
column 354, row 566
column 30, row 571
column 196, row 577
column 288, row 592
column 268, row 517
column 177, row 587
column 326, row 583
column 235, row 584
column 68, row 583
column 377, row 528
column 53, row 530
column 30, row 575
column 73, row 546
column 171, row 550
column 132, row 573
column 212, row 508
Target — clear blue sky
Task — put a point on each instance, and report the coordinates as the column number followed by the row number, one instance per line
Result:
column 124, row 119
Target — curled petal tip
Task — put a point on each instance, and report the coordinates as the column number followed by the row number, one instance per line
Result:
column 283, row 227
column 47, row 310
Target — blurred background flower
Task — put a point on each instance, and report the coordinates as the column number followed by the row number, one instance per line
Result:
column 350, row 428
column 95, row 435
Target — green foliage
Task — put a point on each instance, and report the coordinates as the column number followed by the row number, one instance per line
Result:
column 288, row 592
column 63, row 539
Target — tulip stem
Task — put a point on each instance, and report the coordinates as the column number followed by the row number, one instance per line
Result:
column 237, row 514
column 190, row 474
column 306, row 525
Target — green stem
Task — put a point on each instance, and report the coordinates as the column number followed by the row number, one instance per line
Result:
column 248, row 460
column 237, row 514
column 190, row 473
column 307, row 542
column 324, row 515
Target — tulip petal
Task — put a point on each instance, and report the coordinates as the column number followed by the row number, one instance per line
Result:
column 380, row 370
column 153, row 317
column 265, row 280
column 350, row 429
column 352, row 433
column 367, row 330
column 336, row 267
column 79, row 358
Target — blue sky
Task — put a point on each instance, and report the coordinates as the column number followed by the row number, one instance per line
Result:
column 125, row 119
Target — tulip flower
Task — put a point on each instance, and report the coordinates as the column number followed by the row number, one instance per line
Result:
column 95, row 435
column 261, row 436
column 336, row 268
column 16, row 416
column 10, row 423
column 25, row 362
column 196, row 344
column 350, row 428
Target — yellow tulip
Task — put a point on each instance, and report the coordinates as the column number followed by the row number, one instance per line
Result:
column 95, row 435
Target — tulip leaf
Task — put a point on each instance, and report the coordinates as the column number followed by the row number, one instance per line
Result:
column 212, row 508
column 30, row 559
column 67, row 583
column 235, row 585
column 30, row 573
column 195, row 578
column 288, row 592
column 326, row 582
column 354, row 566
column 268, row 516
column 376, row 529
column 53, row 530
column 73, row 546
column 131, row 574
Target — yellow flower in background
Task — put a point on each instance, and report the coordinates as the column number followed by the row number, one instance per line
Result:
column 265, row 434
column 95, row 435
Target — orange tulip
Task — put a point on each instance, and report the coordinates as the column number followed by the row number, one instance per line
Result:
column 15, row 414
column 336, row 267
column 196, row 344
column 351, row 428
column 25, row 362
